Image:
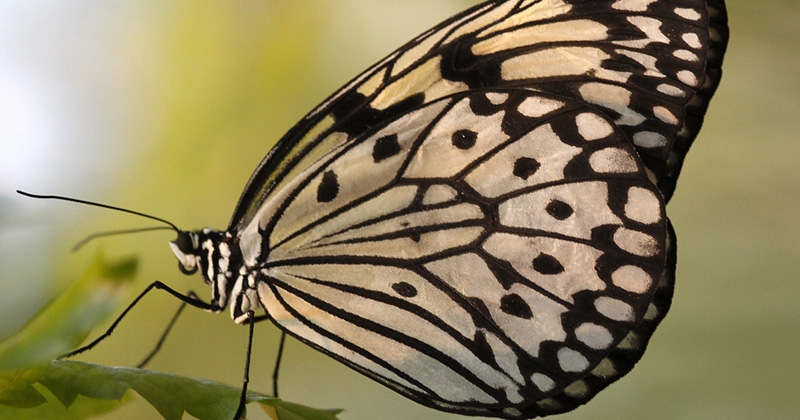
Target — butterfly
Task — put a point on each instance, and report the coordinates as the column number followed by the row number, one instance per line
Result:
column 478, row 220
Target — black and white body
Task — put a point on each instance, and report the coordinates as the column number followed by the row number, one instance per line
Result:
column 478, row 221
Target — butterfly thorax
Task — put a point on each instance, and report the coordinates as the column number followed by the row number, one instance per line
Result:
column 218, row 258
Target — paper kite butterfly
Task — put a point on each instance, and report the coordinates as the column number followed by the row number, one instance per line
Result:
column 478, row 221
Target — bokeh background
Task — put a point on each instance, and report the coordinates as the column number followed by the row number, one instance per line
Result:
column 167, row 106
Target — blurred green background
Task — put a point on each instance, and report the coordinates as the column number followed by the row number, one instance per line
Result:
column 167, row 106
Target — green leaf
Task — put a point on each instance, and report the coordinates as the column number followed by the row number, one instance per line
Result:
column 82, row 408
column 170, row 394
column 292, row 411
column 66, row 321
column 59, row 327
column 33, row 386
column 16, row 389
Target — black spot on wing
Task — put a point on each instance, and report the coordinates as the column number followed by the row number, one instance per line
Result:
column 482, row 348
column 464, row 139
column 559, row 210
column 404, row 289
column 547, row 264
column 525, row 167
column 385, row 147
column 328, row 188
column 515, row 305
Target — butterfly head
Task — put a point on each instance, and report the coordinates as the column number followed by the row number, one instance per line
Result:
column 206, row 250
column 216, row 255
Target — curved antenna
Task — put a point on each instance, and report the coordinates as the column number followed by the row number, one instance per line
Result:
column 84, row 241
column 78, row 245
column 103, row 206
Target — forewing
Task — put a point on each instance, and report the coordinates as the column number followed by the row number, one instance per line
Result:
column 650, row 66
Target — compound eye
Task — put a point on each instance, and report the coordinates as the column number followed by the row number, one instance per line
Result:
column 184, row 242
column 187, row 271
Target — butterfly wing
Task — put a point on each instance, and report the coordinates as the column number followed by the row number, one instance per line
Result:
column 477, row 221
column 651, row 66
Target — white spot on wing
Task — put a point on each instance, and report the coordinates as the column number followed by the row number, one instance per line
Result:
column 614, row 309
column 543, row 382
column 612, row 160
column 665, row 115
column 632, row 5
column 537, row 106
column 649, row 139
column 594, row 336
column 685, row 13
column 687, row 77
column 670, row 90
column 497, row 98
column 643, row 206
column 592, row 126
column 635, row 242
column 632, row 278
column 691, row 39
column 571, row 361
column 686, row 55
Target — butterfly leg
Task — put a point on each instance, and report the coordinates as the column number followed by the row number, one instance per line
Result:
column 190, row 299
column 166, row 332
column 277, row 359
column 278, row 365
column 246, row 379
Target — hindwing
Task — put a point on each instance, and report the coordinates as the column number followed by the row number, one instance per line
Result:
column 506, row 240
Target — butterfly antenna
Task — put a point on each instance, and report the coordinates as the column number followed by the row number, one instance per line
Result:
column 83, row 242
column 94, row 236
